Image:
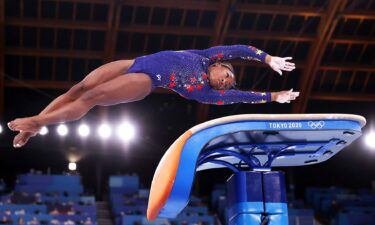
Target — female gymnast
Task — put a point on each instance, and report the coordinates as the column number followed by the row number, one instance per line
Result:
column 194, row 74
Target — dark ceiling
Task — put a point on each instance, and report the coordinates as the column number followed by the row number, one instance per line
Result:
column 52, row 44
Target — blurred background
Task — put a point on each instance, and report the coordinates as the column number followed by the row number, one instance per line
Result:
column 46, row 46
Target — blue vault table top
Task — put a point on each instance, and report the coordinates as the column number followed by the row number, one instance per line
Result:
column 243, row 142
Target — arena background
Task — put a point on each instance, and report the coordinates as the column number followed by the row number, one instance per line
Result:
column 47, row 46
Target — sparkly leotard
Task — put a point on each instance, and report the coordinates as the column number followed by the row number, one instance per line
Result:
column 186, row 73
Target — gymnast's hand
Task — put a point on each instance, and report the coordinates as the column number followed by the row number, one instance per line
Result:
column 279, row 64
column 284, row 96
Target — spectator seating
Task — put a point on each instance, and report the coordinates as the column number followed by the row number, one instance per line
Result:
column 343, row 206
column 129, row 205
column 47, row 199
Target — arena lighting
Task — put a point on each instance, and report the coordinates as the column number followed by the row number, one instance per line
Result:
column 83, row 130
column 43, row 131
column 370, row 139
column 62, row 130
column 126, row 131
column 104, row 131
column 72, row 166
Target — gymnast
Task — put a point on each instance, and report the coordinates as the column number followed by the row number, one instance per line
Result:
column 201, row 75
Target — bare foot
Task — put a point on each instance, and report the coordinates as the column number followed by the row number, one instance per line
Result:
column 22, row 138
column 28, row 124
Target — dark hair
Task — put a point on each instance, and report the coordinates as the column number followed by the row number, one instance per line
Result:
column 228, row 65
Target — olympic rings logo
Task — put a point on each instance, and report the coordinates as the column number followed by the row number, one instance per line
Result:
column 316, row 125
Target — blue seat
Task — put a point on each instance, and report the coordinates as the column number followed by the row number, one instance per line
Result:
column 355, row 218
column 124, row 184
column 61, row 217
column 27, row 208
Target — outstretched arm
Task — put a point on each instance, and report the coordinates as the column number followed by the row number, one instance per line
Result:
column 232, row 52
column 223, row 97
column 246, row 52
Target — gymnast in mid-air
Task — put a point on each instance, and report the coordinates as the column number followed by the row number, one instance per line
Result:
column 202, row 75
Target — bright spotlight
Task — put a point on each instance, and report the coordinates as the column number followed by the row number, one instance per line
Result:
column 62, row 130
column 370, row 139
column 43, row 131
column 126, row 131
column 72, row 166
column 83, row 130
column 1, row 129
column 104, row 131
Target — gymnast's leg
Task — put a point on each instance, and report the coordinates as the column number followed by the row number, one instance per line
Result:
column 122, row 89
column 98, row 76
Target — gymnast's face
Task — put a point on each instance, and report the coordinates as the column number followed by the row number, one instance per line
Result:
column 220, row 77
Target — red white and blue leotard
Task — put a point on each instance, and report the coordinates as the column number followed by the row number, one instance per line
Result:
column 186, row 73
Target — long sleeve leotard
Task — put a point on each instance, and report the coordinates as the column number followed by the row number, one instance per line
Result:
column 186, row 73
